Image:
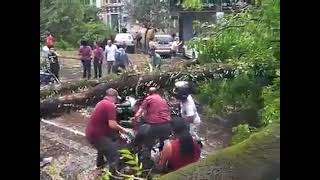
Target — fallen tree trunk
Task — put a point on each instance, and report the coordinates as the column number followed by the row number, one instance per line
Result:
column 128, row 85
column 65, row 88
column 257, row 158
column 69, row 87
column 74, row 86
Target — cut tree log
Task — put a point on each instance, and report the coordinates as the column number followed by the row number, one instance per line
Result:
column 74, row 86
column 69, row 87
column 128, row 85
column 257, row 158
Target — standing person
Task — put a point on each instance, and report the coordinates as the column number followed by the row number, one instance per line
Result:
column 150, row 35
column 175, row 46
column 152, row 46
column 50, row 40
column 138, row 39
column 85, row 53
column 157, row 119
column 110, row 53
column 188, row 108
column 122, row 59
column 155, row 60
column 181, row 149
column 97, row 60
column 103, row 130
column 54, row 62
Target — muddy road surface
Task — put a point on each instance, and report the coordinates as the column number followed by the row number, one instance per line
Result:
column 71, row 69
column 63, row 137
column 73, row 158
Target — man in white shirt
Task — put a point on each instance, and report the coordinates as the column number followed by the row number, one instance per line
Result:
column 110, row 55
column 45, row 52
column 189, row 113
column 175, row 46
column 188, row 107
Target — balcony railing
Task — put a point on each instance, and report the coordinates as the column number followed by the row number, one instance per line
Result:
column 210, row 4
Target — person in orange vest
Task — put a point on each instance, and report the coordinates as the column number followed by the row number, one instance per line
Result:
column 50, row 40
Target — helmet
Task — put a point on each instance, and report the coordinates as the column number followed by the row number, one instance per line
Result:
column 182, row 90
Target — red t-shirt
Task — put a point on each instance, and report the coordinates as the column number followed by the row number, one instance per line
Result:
column 176, row 161
column 85, row 52
column 157, row 109
column 49, row 41
column 98, row 125
column 98, row 53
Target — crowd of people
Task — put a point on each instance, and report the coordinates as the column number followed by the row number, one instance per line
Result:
column 180, row 144
column 103, row 130
column 115, row 57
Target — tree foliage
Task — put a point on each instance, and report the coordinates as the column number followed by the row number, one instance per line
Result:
column 151, row 13
column 70, row 21
column 249, row 39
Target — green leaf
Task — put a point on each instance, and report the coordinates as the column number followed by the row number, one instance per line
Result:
column 131, row 162
column 137, row 159
column 136, row 168
column 139, row 173
column 140, row 166
column 128, row 156
column 124, row 151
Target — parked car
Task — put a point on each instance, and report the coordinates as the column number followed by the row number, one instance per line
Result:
column 190, row 53
column 163, row 44
column 127, row 39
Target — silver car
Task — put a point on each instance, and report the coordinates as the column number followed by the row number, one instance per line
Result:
column 163, row 44
column 126, row 38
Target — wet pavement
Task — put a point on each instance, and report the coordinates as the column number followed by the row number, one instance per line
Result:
column 63, row 139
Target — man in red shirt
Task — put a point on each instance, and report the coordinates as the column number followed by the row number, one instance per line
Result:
column 85, row 53
column 103, row 130
column 97, row 60
column 157, row 119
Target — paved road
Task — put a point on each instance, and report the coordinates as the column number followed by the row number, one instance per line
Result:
column 71, row 69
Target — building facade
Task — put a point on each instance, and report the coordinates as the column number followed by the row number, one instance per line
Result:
column 209, row 12
column 112, row 13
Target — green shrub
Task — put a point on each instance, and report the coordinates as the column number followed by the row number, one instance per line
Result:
column 241, row 132
column 271, row 96
column 63, row 45
column 230, row 95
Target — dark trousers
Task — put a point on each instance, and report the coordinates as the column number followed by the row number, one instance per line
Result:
column 55, row 68
column 86, row 68
column 97, row 67
column 148, row 134
column 117, row 66
column 107, row 148
column 110, row 66
column 138, row 43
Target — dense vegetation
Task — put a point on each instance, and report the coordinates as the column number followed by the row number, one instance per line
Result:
column 70, row 21
column 250, row 40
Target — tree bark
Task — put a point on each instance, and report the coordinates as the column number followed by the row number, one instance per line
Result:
column 257, row 158
column 128, row 85
column 66, row 88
